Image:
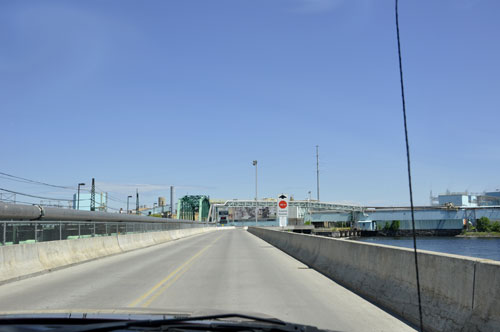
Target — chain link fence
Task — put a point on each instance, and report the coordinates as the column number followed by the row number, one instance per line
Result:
column 21, row 232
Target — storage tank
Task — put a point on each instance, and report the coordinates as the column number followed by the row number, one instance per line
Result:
column 161, row 201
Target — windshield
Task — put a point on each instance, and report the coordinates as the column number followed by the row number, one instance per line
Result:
column 249, row 157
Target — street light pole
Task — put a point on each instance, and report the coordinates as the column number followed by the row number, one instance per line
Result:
column 308, row 205
column 256, row 208
column 317, row 170
column 128, row 199
column 78, row 202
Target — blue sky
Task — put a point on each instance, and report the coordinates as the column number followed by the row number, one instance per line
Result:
column 155, row 93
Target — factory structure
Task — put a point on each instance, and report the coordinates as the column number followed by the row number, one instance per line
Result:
column 448, row 213
column 465, row 199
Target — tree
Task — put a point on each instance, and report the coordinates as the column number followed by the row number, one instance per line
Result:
column 395, row 225
column 483, row 224
column 495, row 227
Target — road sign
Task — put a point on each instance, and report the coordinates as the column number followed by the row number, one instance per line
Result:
column 282, row 206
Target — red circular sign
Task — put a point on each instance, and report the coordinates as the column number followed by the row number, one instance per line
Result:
column 282, row 204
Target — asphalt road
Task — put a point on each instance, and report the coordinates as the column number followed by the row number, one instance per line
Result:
column 230, row 270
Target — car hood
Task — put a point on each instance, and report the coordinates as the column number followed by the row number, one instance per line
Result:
column 123, row 313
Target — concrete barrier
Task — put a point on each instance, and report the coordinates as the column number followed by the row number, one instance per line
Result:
column 24, row 260
column 458, row 293
column 18, row 260
column 135, row 241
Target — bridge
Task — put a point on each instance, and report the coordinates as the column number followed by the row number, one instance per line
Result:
column 242, row 212
column 54, row 259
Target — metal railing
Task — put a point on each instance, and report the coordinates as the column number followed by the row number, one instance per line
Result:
column 21, row 224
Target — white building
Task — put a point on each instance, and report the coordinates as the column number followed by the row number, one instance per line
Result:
column 458, row 199
column 470, row 200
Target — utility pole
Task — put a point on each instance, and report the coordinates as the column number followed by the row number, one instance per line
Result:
column 256, row 208
column 137, row 201
column 92, row 196
column 317, row 170
column 171, row 201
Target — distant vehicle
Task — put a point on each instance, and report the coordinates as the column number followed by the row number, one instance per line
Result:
column 223, row 217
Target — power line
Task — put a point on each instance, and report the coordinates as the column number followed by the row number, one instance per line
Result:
column 12, row 177
column 35, row 196
column 13, row 201
column 111, row 197
column 25, row 180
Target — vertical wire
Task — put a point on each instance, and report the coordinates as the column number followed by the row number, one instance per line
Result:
column 409, row 171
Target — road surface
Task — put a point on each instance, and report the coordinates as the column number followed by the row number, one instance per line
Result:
column 229, row 270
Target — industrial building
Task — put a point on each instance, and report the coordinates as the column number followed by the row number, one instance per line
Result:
column 426, row 218
column 466, row 199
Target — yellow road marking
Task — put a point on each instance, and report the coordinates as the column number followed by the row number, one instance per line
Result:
column 167, row 285
column 167, row 278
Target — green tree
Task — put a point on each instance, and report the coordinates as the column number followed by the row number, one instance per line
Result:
column 483, row 224
column 387, row 226
column 395, row 225
column 495, row 227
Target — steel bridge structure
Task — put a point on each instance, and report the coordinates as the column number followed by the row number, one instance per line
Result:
column 306, row 205
column 191, row 207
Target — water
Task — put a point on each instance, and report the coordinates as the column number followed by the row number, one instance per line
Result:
column 473, row 247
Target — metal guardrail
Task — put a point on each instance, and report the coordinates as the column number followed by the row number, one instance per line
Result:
column 32, row 223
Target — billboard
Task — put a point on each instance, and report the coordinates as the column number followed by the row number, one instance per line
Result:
column 248, row 213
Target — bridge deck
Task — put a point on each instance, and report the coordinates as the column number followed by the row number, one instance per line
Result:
column 230, row 270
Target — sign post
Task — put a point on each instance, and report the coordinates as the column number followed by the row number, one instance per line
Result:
column 282, row 210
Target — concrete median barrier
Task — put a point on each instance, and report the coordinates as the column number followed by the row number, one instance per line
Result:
column 458, row 293
column 19, row 259
column 24, row 260
column 135, row 241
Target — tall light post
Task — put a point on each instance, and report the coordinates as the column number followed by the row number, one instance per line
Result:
column 317, row 171
column 308, row 205
column 256, row 209
column 128, row 199
column 78, row 202
column 154, row 207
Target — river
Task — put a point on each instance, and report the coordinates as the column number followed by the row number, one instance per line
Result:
column 473, row 247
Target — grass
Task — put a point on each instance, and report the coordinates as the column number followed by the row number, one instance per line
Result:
column 480, row 234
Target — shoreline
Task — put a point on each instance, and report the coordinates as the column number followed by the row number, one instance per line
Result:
column 493, row 235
